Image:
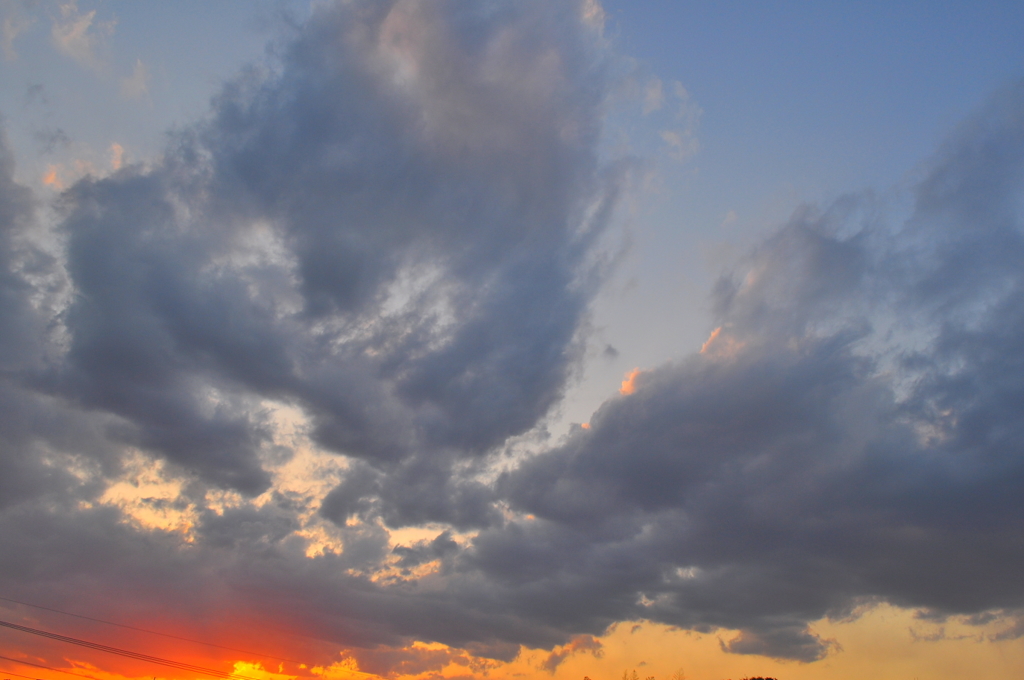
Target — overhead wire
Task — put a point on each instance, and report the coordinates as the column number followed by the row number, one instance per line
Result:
column 151, row 632
column 137, row 655
column 18, row 675
column 56, row 670
column 212, row 672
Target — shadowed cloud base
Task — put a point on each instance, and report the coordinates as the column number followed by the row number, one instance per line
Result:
column 294, row 376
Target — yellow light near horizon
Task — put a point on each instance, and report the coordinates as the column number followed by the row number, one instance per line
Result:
column 885, row 643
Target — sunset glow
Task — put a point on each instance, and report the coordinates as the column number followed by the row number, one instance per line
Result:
column 321, row 326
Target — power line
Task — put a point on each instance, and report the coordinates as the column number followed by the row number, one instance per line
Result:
column 126, row 653
column 56, row 670
column 166, row 635
column 19, row 675
column 151, row 632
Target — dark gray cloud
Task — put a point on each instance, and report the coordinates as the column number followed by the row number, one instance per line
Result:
column 851, row 434
column 391, row 229
column 50, row 140
column 20, row 476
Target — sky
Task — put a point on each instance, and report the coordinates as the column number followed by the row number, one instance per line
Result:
column 437, row 339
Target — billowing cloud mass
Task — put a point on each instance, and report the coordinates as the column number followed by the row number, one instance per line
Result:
column 287, row 373
column 850, row 433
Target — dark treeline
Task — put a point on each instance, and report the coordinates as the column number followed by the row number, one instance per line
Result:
column 626, row 675
column 678, row 675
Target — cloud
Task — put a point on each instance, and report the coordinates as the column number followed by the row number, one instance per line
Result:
column 629, row 382
column 799, row 644
column 349, row 309
column 136, row 86
column 376, row 257
column 52, row 177
column 654, row 96
column 14, row 20
column 582, row 643
column 50, row 140
column 858, row 443
column 79, row 36
column 391, row 235
column 593, row 14
column 682, row 138
column 22, row 475
column 729, row 219
column 116, row 156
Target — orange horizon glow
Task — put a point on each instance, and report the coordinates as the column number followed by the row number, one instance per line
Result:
column 885, row 643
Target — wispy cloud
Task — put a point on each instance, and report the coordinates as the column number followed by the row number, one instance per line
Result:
column 681, row 138
column 78, row 35
column 15, row 19
column 654, row 96
column 136, row 86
